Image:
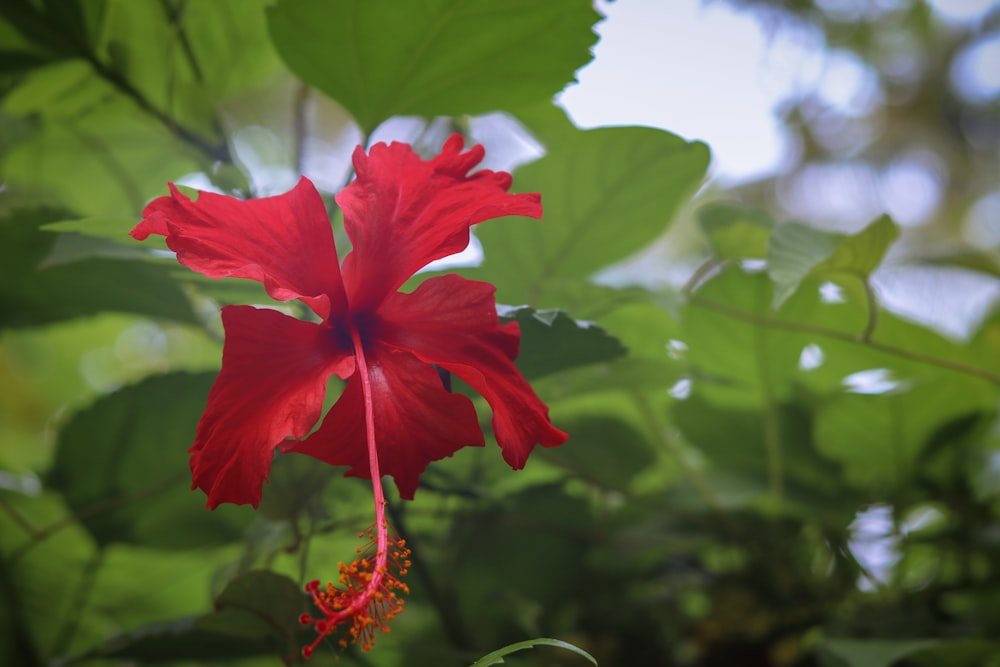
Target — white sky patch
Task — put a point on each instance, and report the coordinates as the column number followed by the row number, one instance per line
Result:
column 681, row 389
column 676, row 349
column 831, row 293
column 980, row 224
column 975, row 72
column 689, row 68
column 265, row 159
column 951, row 300
column 849, row 85
column 961, row 11
column 811, row 358
column 875, row 545
column 912, row 186
column 872, row 381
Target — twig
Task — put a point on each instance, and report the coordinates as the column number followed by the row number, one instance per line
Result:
column 930, row 360
column 96, row 507
column 443, row 600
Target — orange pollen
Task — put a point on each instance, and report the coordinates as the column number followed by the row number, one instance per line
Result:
column 367, row 596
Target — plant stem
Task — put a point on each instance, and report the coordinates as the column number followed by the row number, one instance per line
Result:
column 760, row 320
column 443, row 599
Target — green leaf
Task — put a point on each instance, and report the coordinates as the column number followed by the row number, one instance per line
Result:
column 734, row 441
column 171, row 640
column 797, row 251
column 552, row 341
column 604, row 450
column 116, row 229
column 874, row 652
column 260, row 605
column 491, row 545
column 496, row 657
column 380, row 58
column 880, row 439
column 735, row 232
column 32, row 291
column 606, row 193
column 141, row 491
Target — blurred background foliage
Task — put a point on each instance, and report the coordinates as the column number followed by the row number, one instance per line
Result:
column 786, row 455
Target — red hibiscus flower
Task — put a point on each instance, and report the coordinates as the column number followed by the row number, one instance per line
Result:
column 395, row 415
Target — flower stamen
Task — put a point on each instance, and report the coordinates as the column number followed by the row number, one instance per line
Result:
column 370, row 587
column 368, row 594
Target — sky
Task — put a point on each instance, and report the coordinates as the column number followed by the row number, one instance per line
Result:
column 685, row 67
column 705, row 71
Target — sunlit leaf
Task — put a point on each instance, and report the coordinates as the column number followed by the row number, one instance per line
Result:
column 380, row 58
column 797, row 251
column 606, row 193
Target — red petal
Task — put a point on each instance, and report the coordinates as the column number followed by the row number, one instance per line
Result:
column 402, row 212
column 452, row 322
column 286, row 241
column 273, row 379
column 416, row 421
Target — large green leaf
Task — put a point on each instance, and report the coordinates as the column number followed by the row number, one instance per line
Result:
column 141, row 491
column 256, row 614
column 135, row 105
column 381, row 58
column 31, row 294
column 36, row 572
column 606, row 194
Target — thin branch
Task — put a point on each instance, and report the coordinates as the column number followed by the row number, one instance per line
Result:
column 442, row 599
column 18, row 518
column 94, row 508
column 74, row 611
column 669, row 445
column 216, row 152
column 872, row 301
column 176, row 18
column 703, row 270
column 759, row 320
column 772, row 432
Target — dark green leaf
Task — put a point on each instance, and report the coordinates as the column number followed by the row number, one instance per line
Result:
column 552, row 341
column 603, row 450
column 170, row 641
column 874, row 652
column 380, row 58
column 141, row 491
column 34, row 292
column 531, row 541
column 260, row 605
